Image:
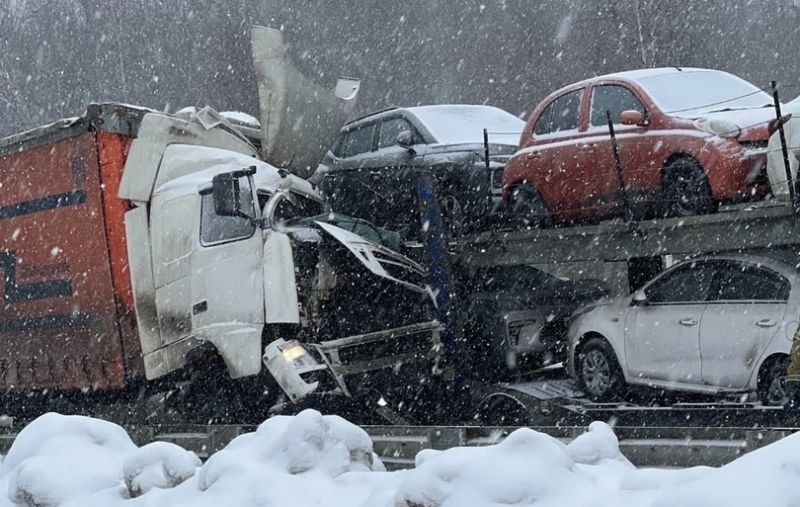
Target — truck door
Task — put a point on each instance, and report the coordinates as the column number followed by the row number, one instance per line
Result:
column 227, row 286
column 172, row 224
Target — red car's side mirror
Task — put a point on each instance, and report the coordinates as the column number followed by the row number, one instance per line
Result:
column 631, row 117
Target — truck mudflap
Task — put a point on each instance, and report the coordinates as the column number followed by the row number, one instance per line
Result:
column 368, row 352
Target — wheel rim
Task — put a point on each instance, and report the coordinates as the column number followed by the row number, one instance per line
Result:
column 776, row 392
column 452, row 214
column 684, row 193
column 527, row 208
column 596, row 372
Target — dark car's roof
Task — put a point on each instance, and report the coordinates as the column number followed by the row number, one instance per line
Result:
column 456, row 123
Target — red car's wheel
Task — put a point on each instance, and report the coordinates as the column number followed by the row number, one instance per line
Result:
column 685, row 190
column 528, row 209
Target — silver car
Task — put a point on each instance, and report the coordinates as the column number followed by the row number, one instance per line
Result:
column 711, row 325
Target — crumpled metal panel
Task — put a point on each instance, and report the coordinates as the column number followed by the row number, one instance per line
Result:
column 300, row 119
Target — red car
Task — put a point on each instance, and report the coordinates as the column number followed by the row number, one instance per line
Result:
column 688, row 139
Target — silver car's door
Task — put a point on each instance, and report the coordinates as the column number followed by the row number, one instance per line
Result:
column 662, row 337
column 746, row 306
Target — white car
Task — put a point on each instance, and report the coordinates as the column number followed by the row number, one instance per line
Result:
column 776, row 169
column 709, row 325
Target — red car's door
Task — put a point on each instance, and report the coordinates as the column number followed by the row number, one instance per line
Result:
column 631, row 140
column 551, row 159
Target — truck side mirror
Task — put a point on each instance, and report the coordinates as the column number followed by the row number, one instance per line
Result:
column 227, row 199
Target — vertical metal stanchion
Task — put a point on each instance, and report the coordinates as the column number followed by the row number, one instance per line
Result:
column 489, row 181
column 440, row 272
column 618, row 166
column 486, row 150
column 784, row 149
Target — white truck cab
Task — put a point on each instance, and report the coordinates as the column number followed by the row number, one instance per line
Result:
column 227, row 251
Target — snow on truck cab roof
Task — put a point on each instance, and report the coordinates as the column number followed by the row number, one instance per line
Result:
column 217, row 161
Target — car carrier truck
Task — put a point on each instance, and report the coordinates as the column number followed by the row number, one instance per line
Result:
column 135, row 244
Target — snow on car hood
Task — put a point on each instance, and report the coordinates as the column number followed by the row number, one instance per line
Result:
column 743, row 118
column 378, row 259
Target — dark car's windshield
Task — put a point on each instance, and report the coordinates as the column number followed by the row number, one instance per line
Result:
column 693, row 92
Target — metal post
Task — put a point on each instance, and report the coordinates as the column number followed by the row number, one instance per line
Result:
column 439, row 268
column 784, row 149
column 486, row 149
column 489, row 182
column 618, row 166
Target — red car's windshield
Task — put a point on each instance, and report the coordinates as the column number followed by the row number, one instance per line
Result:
column 694, row 92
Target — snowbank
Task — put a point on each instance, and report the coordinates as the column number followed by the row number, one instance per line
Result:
column 316, row 460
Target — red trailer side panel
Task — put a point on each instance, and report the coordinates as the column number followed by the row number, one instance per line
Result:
column 113, row 151
column 58, row 321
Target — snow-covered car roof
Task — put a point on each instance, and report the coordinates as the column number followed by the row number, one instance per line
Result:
column 782, row 262
column 456, row 123
column 792, row 106
column 461, row 123
column 692, row 90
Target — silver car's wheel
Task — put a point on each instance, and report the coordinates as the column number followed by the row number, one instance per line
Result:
column 776, row 394
column 598, row 371
column 772, row 381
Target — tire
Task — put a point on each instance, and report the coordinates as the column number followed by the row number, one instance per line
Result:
column 772, row 381
column 685, row 190
column 502, row 410
column 528, row 209
column 452, row 213
column 598, row 371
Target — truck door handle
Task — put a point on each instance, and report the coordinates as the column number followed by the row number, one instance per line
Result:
column 687, row 322
column 199, row 307
column 766, row 323
column 588, row 147
column 532, row 155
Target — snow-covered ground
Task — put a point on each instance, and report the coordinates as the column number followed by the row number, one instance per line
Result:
column 315, row 460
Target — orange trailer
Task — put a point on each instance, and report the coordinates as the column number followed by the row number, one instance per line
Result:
column 67, row 317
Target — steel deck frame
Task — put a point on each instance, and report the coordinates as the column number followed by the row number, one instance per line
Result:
column 734, row 228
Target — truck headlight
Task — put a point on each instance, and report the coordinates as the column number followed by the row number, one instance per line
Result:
column 293, row 351
column 287, row 361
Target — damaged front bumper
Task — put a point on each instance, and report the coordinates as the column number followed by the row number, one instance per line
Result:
column 293, row 367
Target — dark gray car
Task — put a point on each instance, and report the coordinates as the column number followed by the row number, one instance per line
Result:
column 517, row 318
column 370, row 170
